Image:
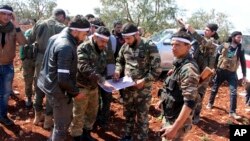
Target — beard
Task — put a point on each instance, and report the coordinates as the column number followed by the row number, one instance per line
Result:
column 236, row 42
column 133, row 44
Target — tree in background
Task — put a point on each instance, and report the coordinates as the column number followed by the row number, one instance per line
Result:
column 152, row 15
column 32, row 9
column 200, row 19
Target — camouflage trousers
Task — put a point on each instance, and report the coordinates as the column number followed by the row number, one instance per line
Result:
column 104, row 107
column 84, row 112
column 28, row 74
column 39, row 95
column 181, row 132
column 136, row 108
column 201, row 91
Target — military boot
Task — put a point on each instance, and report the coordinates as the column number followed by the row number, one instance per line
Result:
column 48, row 122
column 86, row 135
column 38, row 117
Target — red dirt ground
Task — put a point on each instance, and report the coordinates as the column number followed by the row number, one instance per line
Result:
column 214, row 124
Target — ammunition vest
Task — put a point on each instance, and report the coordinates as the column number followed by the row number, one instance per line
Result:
column 228, row 60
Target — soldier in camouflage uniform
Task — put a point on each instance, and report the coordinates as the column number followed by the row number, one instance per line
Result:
column 28, row 64
column 179, row 93
column 91, row 71
column 41, row 33
column 141, row 60
column 204, row 54
column 227, row 61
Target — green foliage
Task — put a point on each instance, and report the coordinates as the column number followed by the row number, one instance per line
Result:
column 153, row 15
column 200, row 19
column 32, row 9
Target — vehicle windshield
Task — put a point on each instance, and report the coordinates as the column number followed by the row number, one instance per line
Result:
column 161, row 34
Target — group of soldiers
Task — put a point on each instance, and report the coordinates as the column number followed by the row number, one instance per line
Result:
column 68, row 61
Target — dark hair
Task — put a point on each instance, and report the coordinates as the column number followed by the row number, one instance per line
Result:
column 235, row 33
column 214, row 27
column 129, row 28
column 89, row 16
column 97, row 22
column 58, row 12
column 79, row 22
column 103, row 31
column 182, row 34
column 6, row 7
column 117, row 22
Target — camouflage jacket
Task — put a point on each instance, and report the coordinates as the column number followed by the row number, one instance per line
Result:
column 180, row 87
column 43, row 30
column 141, row 62
column 205, row 53
column 91, row 65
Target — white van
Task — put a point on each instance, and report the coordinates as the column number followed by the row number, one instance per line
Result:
column 162, row 41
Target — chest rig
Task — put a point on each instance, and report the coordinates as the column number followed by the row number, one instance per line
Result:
column 171, row 94
column 228, row 60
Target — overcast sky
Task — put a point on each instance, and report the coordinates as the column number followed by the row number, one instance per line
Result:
column 238, row 11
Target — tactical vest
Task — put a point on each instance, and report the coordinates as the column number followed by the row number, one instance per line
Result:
column 172, row 93
column 228, row 60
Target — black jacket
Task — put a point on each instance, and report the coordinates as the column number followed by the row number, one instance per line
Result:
column 58, row 71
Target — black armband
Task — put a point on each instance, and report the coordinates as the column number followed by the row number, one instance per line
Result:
column 18, row 29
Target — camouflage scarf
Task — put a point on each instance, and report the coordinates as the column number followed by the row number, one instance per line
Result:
column 7, row 28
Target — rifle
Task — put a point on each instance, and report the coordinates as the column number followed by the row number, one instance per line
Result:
column 205, row 74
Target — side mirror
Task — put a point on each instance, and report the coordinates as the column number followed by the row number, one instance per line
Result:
column 167, row 42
